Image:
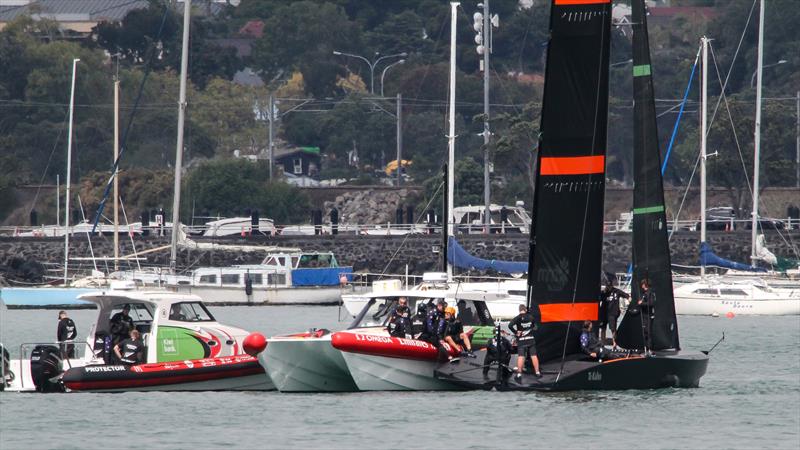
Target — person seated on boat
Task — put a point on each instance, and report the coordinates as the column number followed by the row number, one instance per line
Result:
column 66, row 331
column 401, row 301
column 591, row 346
column 647, row 306
column 609, row 310
column 176, row 313
column 121, row 324
column 399, row 324
column 455, row 335
column 131, row 350
column 523, row 326
column 435, row 325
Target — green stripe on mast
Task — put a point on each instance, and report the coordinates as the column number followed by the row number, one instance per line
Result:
column 641, row 71
column 649, row 209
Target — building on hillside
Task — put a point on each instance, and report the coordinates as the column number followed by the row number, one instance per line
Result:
column 299, row 161
column 80, row 16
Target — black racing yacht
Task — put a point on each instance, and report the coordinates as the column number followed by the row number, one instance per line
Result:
column 567, row 229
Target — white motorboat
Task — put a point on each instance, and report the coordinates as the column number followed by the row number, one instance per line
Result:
column 721, row 296
column 185, row 349
column 282, row 278
column 378, row 362
column 502, row 307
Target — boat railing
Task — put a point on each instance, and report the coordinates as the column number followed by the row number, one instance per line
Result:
column 23, row 354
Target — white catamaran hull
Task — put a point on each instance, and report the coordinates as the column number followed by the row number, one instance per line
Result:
column 306, row 365
column 273, row 296
column 380, row 373
column 706, row 306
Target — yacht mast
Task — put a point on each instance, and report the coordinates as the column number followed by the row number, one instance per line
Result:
column 69, row 170
column 757, row 137
column 703, row 143
column 176, row 202
column 451, row 132
column 116, row 173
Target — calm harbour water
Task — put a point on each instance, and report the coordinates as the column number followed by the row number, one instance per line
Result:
column 750, row 398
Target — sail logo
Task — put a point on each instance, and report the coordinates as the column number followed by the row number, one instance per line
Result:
column 595, row 376
column 555, row 277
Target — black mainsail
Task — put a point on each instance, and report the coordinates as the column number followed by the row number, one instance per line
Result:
column 651, row 258
column 567, row 227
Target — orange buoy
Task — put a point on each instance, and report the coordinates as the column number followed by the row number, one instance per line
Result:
column 730, row 315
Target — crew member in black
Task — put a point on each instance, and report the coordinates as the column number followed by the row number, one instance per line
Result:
column 522, row 326
column 399, row 324
column 647, row 306
column 454, row 333
column 594, row 348
column 130, row 351
column 609, row 310
column 121, row 324
column 66, row 332
column 433, row 331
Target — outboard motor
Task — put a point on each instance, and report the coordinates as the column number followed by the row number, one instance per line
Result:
column 46, row 364
column 102, row 346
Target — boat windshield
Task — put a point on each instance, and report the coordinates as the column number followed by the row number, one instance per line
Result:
column 190, row 312
column 308, row 261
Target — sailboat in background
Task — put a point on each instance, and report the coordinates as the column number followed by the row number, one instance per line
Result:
column 566, row 254
column 748, row 292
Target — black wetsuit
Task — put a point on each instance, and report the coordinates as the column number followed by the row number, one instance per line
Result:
column 648, row 311
column 67, row 332
column 496, row 351
column 399, row 326
column 454, row 329
column 609, row 308
column 131, row 350
column 522, row 326
column 434, row 329
column 121, row 326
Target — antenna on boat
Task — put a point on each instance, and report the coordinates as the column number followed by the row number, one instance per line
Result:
column 176, row 199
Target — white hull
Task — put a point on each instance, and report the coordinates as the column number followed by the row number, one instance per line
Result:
column 272, row 296
column 379, row 373
column 306, row 365
column 707, row 306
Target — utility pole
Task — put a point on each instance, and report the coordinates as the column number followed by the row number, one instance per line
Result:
column 271, row 118
column 399, row 137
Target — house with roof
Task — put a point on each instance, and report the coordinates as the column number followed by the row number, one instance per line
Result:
column 300, row 165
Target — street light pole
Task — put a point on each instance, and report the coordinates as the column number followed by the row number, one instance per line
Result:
column 399, row 135
column 383, row 74
column 370, row 64
column 753, row 77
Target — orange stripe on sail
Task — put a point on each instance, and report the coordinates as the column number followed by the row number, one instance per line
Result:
column 565, row 312
column 572, row 165
column 581, row 2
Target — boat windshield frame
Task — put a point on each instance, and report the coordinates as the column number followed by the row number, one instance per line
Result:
column 192, row 303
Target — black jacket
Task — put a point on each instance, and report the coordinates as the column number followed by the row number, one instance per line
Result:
column 610, row 300
column 525, row 323
column 66, row 330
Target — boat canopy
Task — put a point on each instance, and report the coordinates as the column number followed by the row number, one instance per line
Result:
column 321, row 276
column 708, row 258
column 460, row 258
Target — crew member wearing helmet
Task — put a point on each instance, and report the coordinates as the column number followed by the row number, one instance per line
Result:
column 522, row 326
column 399, row 324
column 455, row 335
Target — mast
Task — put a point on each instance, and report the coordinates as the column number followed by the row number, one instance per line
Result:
column 176, row 201
column 69, row 169
column 451, row 131
column 757, row 137
column 650, row 256
column 116, row 173
column 487, row 48
column 566, row 253
column 703, row 143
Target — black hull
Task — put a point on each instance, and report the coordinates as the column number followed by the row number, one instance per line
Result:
column 661, row 370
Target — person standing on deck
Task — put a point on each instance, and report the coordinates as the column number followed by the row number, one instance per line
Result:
column 609, row 310
column 647, row 306
column 522, row 326
column 67, row 331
